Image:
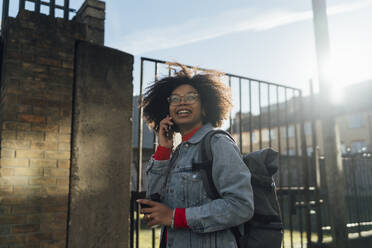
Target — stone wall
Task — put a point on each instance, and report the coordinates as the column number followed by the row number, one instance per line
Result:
column 37, row 102
column 101, row 148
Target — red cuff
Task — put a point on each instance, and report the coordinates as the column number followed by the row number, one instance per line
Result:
column 180, row 218
column 162, row 153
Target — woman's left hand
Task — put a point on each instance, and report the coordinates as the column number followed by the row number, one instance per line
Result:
column 157, row 214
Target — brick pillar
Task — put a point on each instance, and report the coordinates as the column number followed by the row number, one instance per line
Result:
column 36, row 107
column 92, row 13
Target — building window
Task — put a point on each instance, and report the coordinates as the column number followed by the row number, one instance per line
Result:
column 254, row 137
column 356, row 120
column 309, row 150
column 291, row 131
column 265, row 135
column 272, row 134
column 307, row 128
column 292, row 152
column 357, row 146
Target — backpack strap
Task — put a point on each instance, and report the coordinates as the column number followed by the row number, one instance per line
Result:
column 205, row 163
column 204, row 166
column 206, row 151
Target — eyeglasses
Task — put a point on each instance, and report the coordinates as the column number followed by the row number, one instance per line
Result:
column 189, row 98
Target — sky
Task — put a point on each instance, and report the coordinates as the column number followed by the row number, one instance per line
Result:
column 271, row 40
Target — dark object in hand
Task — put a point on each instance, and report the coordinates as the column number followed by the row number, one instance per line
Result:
column 154, row 197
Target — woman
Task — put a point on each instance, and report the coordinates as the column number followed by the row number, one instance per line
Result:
column 194, row 105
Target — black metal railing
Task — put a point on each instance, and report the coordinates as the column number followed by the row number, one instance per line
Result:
column 358, row 196
column 265, row 115
column 38, row 3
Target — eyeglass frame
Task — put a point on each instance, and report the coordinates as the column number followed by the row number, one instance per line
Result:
column 183, row 98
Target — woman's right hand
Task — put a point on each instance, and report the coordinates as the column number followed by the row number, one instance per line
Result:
column 164, row 130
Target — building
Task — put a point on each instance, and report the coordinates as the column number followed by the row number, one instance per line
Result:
column 278, row 125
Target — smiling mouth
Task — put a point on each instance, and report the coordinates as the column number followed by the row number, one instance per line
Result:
column 183, row 112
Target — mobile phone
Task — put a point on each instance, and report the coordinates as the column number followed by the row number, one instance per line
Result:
column 175, row 127
column 170, row 132
column 143, row 205
column 153, row 197
column 171, row 129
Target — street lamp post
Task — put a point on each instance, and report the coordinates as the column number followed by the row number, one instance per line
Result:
column 331, row 140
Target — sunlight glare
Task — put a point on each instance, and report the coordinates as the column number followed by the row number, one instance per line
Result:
column 341, row 72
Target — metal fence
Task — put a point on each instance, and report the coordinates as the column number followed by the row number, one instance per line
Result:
column 272, row 115
column 51, row 4
column 358, row 194
column 265, row 115
column 358, row 198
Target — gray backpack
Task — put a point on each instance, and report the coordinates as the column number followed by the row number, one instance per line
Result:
column 265, row 229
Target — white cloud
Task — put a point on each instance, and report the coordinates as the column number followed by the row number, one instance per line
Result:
column 229, row 22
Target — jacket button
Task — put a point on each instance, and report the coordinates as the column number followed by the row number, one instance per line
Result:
column 187, row 145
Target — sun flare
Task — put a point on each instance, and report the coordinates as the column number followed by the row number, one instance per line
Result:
column 343, row 70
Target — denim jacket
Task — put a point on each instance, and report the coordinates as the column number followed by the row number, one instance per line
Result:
column 181, row 187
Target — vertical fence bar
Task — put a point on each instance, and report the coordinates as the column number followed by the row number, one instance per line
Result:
column 348, row 181
column 260, row 115
column 318, row 196
column 230, row 114
column 281, row 199
column 299, row 182
column 368, row 166
column 367, row 177
column 37, row 6
column 139, row 153
column 289, row 175
column 52, row 8
column 66, row 10
column 156, row 72
column 322, row 169
column 22, row 4
column 240, row 117
column 315, row 157
column 305, row 167
column 362, row 200
column 269, row 114
column 369, row 124
column 5, row 14
column 250, row 118
column 356, row 193
column 154, row 149
column 131, row 216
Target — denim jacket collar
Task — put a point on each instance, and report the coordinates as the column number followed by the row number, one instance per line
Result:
column 197, row 137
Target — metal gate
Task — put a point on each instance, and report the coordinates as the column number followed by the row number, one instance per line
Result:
column 265, row 114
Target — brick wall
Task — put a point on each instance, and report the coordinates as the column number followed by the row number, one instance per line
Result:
column 36, row 105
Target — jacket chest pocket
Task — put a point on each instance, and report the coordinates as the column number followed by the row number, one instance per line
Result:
column 175, row 190
column 194, row 191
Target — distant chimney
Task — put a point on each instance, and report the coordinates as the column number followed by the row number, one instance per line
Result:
column 92, row 13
